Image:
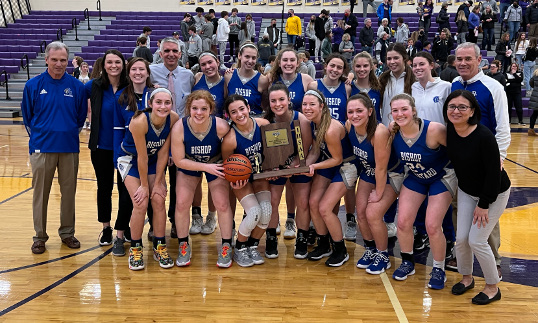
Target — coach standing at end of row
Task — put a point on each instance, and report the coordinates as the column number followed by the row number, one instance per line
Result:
column 54, row 109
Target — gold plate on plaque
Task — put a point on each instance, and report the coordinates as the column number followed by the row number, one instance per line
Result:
column 277, row 137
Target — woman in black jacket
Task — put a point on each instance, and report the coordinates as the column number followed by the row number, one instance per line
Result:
column 504, row 51
column 513, row 91
column 488, row 20
column 443, row 17
column 533, row 104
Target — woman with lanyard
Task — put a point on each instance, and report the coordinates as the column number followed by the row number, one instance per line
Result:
column 132, row 98
column 141, row 162
column 420, row 144
column 210, row 80
column 332, row 175
column 333, row 86
column 102, row 93
column 381, row 176
column 299, row 185
column 245, row 138
column 245, row 80
column 196, row 148
column 483, row 192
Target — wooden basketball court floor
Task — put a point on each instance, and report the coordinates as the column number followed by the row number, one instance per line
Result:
column 90, row 284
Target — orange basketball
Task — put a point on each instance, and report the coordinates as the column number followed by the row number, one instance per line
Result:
column 237, row 167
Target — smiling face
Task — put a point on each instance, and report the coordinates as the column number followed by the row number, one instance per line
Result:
column 402, row 112
column 170, row 54
column 161, row 104
column 362, row 68
column 288, row 62
column 395, row 62
column 248, row 57
column 199, row 111
column 113, row 65
column 138, row 73
column 279, row 102
column 422, row 68
column 239, row 112
column 209, row 66
column 358, row 114
column 312, row 107
column 56, row 62
column 456, row 116
column 334, row 69
column 467, row 62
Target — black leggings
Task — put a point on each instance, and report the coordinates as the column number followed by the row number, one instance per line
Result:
column 533, row 118
column 514, row 100
column 234, row 42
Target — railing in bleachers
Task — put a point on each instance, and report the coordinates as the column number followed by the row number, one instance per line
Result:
column 5, row 82
column 25, row 66
column 87, row 17
column 99, row 8
column 43, row 46
column 13, row 10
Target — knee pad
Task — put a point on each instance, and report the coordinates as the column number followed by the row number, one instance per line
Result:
column 264, row 198
column 253, row 211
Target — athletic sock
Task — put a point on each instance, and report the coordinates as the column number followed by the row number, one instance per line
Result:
column 339, row 246
column 180, row 240
column 302, row 233
column 271, row 232
column 239, row 244
column 350, row 217
column 369, row 244
column 251, row 242
column 157, row 241
column 229, row 241
column 291, row 215
column 136, row 243
column 196, row 210
column 408, row 256
column 439, row 264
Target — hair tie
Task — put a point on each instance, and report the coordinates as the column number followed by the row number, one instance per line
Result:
column 159, row 90
column 314, row 93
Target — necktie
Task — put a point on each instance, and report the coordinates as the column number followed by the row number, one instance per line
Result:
column 171, row 86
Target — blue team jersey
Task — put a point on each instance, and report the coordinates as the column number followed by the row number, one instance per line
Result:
column 425, row 164
column 296, row 89
column 248, row 90
column 202, row 148
column 217, row 91
column 325, row 154
column 155, row 139
column 365, row 157
column 336, row 100
column 106, row 117
column 250, row 144
column 374, row 95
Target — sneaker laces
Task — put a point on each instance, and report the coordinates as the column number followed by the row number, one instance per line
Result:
column 406, row 266
column 368, row 254
column 290, row 225
column 380, row 257
column 437, row 274
column 162, row 250
column 137, row 253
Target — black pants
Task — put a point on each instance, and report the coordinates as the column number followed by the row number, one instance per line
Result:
column 234, row 42
column 193, row 60
column 125, row 206
column 312, row 47
column 514, row 100
column 103, row 165
column 471, row 37
column 172, row 172
column 533, row 119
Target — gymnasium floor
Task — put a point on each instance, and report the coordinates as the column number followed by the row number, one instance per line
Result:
column 90, row 284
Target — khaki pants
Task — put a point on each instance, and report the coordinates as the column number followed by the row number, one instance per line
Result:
column 43, row 168
column 533, row 30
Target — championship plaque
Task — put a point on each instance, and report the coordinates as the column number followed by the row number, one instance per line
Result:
column 279, row 151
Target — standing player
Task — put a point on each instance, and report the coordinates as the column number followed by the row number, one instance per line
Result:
column 141, row 163
column 333, row 175
column 196, row 148
column 245, row 138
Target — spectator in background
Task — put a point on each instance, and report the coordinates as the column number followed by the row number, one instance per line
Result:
column 450, row 72
column 214, row 20
column 411, row 49
column 310, row 32
column 84, row 76
column 484, row 65
column 381, row 49
column 326, row 46
column 463, row 27
column 513, row 16
column 504, row 51
column 223, row 31
column 350, row 23
column 183, row 49
column 146, row 31
column 195, row 47
column 319, row 26
column 265, row 49
column 243, row 34
column 443, row 18
column 269, row 64
column 199, row 19
column 251, row 27
column 157, row 56
column 384, row 27
column 206, row 33
column 311, row 69
column 533, row 103
column 338, row 32
column 274, row 33
column 235, row 25
column 465, row 7
column 521, row 49
column 365, row 4
column 528, row 64
column 532, row 19
column 293, row 27
column 427, row 15
column 427, row 47
column 513, row 91
column 366, row 36
column 385, row 11
column 523, row 4
column 143, row 51
column 441, row 49
column 185, row 24
column 420, row 12
column 77, row 61
column 488, row 20
column 492, row 4
column 402, row 32
column 346, row 47
column 495, row 72
column 473, row 23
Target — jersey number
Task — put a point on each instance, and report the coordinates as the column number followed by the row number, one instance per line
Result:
column 334, row 113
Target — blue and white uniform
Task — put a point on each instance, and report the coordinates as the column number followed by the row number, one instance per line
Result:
column 247, row 88
column 249, row 145
column 105, row 139
column 297, row 91
column 336, row 100
column 428, row 170
column 155, row 139
column 216, row 90
column 374, row 95
column 365, row 161
column 294, row 178
column 332, row 173
column 203, row 148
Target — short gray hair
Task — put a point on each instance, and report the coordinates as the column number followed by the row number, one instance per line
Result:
column 469, row 45
column 56, row 45
column 367, row 19
column 170, row 40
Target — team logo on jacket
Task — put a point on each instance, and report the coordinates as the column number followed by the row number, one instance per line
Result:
column 68, row 92
column 436, row 99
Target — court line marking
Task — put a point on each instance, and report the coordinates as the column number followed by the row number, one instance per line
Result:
column 48, row 261
column 532, row 170
column 14, row 196
column 55, row 284
column 394, row 299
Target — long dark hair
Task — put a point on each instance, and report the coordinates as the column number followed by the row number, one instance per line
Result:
column 339, row 56
column 105, row 81
column 409, row 76
column 128, row 96
column 278, row 86
column 231, row 99
column 429, row 58
column 371, row 125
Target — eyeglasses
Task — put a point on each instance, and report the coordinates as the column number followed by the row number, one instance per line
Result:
column 175, row 51
column 461, row 108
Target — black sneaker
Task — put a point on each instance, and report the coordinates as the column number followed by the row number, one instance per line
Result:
column 319, row 252
column 150, row 235
column 449, row 250
column 301, row 248
column 173, row 232
column 338, row 258
column 271, row 247
column 311, row 239
column 105, row 238
column 421, row 242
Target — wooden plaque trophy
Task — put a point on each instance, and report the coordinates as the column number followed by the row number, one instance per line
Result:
column 278, row 151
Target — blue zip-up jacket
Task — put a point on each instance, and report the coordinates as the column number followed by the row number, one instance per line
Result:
column 380, row 12
column 53, row 112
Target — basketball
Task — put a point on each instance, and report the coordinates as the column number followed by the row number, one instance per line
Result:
column 237, row 167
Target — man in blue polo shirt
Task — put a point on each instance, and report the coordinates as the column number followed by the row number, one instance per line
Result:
column 54, row 108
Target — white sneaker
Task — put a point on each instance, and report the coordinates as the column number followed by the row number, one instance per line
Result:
column 351, row 231
column 392, row 229
column 278, row 228
column 196, row 225
column 210, row 224
column 289, row 233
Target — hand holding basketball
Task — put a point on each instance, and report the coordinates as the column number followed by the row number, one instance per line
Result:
column 237, row 167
